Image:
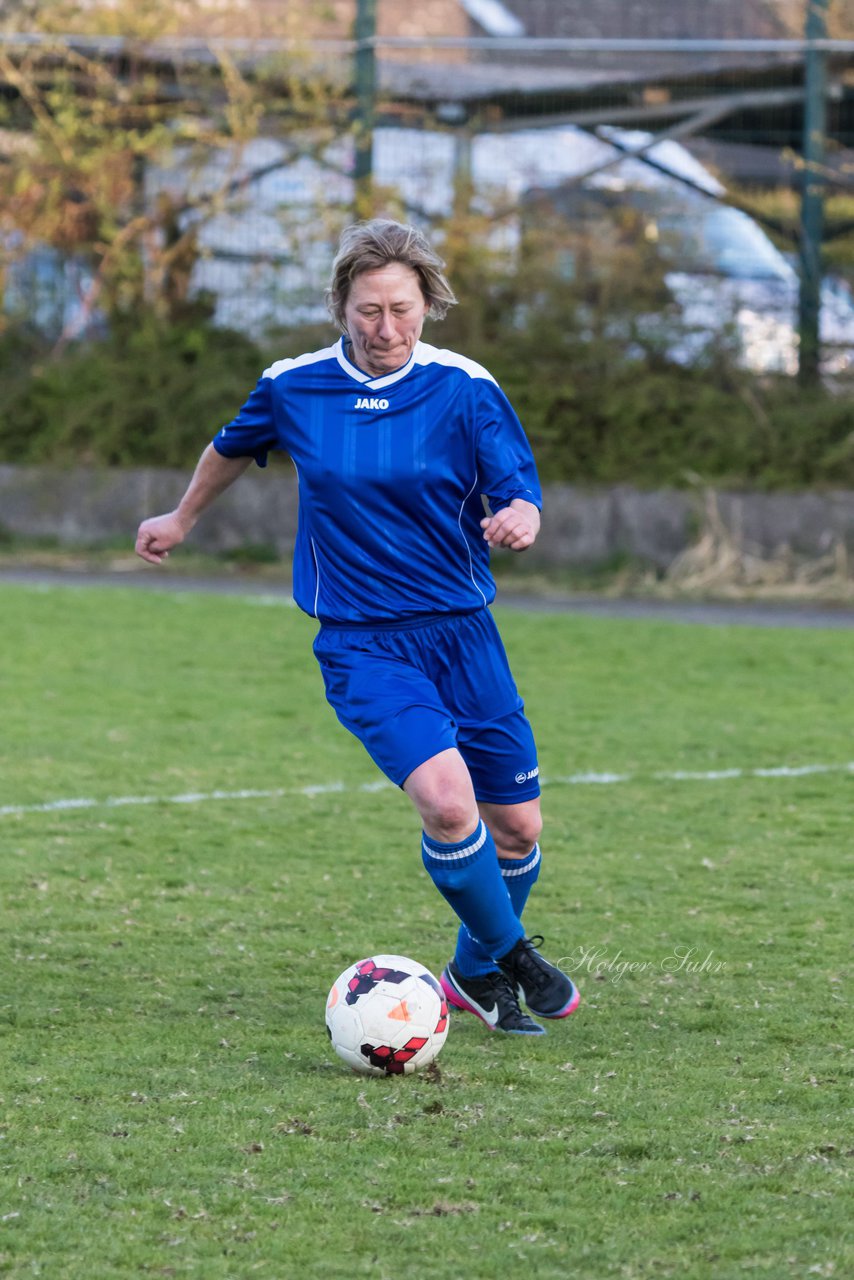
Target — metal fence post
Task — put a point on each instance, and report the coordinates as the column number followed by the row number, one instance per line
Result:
column 812, row 193
column 366, row 85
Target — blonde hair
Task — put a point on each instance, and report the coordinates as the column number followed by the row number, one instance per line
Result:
column 370, row 246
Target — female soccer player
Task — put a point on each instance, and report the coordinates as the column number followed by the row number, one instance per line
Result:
column 394, row 442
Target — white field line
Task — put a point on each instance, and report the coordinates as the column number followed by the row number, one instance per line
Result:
column 332, row 788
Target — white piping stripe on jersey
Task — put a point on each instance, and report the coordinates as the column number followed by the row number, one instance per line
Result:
column 313, row 555
column 529, row 866
column 465, row 539
column 455, row 855
column 317, row 577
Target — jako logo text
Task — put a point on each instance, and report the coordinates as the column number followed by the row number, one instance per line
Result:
column 365, row 402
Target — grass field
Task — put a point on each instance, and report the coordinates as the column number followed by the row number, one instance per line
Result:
column 170, row 1105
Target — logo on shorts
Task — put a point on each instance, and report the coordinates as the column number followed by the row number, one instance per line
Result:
column 371, row 402
column 526, row 777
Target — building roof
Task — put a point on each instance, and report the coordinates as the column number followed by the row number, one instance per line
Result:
column 498, row 73
column 659, row 19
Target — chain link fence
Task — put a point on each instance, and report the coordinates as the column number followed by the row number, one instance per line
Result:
column 684, row 131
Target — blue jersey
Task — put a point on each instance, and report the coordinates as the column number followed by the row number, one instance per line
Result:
column 391, row 472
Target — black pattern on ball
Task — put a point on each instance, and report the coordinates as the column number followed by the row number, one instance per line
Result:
column 367, row 976
column 393, row 1061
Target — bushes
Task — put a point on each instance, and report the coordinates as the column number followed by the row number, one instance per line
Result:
column 580, row 339
column 598, row 409
column 654, row 425
column 146, row 395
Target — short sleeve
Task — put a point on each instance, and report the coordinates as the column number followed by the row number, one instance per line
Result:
column 506, row 463
column 252, row 433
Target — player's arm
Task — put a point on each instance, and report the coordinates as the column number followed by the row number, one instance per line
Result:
column 506, row 465
column 515, row 526
column 213, row 475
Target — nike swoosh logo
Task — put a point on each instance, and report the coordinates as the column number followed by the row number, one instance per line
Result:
column 490, row 1016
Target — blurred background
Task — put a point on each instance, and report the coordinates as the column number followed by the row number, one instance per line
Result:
column 647, row 213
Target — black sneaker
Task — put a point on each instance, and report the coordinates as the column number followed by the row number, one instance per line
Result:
column 547, row 991
column 491, row 998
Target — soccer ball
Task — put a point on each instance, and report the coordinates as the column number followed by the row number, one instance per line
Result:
column 387, row 1015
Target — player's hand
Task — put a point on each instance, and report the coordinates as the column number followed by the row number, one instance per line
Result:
column 509, row 528
column 157, row 536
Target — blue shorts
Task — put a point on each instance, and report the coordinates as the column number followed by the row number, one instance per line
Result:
column 409, row 691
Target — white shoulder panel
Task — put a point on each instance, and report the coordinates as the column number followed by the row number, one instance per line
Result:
column 310, row 357
column 425, row 354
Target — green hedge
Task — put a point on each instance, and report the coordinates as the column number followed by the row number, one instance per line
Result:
column 150, row 395
column 661, row 425
column 147, row 395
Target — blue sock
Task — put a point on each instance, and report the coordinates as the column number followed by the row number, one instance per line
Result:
column 468, row 877
column 520, row 875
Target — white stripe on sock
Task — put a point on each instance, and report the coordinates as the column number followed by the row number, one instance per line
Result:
column 477, row 841
column 526, row 867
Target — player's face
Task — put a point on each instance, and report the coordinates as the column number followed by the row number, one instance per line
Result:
column 384, row 315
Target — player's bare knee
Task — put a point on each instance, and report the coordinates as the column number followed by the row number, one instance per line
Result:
column 517, row 833
column 442, row 792
column 449, row 818
column 447, row 807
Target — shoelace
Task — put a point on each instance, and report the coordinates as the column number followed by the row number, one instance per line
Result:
column 515, row 1013
column 538, row 977
column 496, row 984
column 500, row 981
column 503, row 986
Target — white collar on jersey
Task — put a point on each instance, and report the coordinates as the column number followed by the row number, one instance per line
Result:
column 361, row 376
